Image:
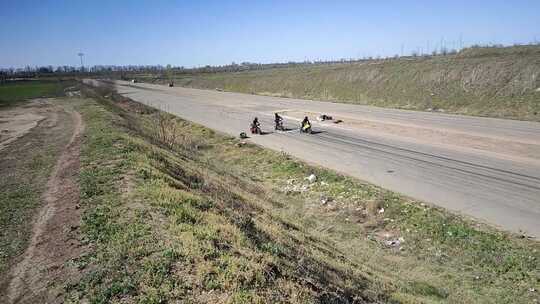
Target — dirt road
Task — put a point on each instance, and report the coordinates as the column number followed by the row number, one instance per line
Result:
column 35, row 276
column 485, row 168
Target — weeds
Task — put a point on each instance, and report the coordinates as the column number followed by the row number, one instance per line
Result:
column 216, row 225
column 495, row 82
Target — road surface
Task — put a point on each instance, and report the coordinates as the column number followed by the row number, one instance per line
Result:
column 485, row 168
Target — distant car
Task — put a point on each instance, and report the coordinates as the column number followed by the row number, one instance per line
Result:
column 134, row 80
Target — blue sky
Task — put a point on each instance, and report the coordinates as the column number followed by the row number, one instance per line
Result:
column 220, row 32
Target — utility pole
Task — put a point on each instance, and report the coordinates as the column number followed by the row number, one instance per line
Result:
column 81, row 55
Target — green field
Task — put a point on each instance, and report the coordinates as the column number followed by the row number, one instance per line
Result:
column 22, row 90
column 495, row 82
column 184, row 213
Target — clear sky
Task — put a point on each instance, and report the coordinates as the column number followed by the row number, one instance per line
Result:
column 193, row 33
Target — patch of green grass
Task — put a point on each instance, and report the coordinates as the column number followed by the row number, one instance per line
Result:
column 23, row 90
column 462, row 261
column 233, row 224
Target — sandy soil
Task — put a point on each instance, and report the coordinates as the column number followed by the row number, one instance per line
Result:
column 54, row 234
column 17, row 121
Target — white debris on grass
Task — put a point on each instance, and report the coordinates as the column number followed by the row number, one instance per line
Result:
column 325, row 200
column 293, row 187
column 312, row 178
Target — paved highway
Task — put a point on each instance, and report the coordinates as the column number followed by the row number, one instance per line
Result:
column 485, row 168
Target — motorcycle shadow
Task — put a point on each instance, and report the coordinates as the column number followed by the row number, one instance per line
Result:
column 262, row 133
column 285, row 130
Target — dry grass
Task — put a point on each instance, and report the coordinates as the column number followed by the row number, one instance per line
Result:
column 229, row 224
column 487, row 82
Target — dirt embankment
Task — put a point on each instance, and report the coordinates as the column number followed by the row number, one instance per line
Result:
column 490, row 82
column 54, row 241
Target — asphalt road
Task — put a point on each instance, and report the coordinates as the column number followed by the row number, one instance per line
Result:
column 485, row 168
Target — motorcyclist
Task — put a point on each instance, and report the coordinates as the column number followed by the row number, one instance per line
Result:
column 279, row 122
column 255, row 126
column 306, row 125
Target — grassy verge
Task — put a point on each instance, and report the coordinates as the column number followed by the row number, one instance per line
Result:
column 202, row 218
column 22, row 90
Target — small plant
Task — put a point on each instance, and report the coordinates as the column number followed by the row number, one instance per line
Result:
column 167, row 129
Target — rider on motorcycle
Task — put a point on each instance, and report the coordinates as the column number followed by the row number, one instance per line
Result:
column 279, row 122
column 306, row 125
column 255, row 126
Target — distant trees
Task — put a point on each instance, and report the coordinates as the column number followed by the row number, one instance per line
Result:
column 169, row 70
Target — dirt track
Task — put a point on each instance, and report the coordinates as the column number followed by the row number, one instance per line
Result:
column 482, row 167
column 53, row 242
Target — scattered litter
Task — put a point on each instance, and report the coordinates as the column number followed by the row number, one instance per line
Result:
column 338, row 121
column 73, row 93
column 381, row 211
column 324, row 117
column 323, row 183
column 325, row 200
column 243, row 135
column 525, row 236
column 392, row 243
column 312, row 178
column 295, row 188
column 241, row 144
column 532, row 290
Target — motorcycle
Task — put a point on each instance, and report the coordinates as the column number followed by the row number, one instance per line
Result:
column 306, row 128
column 279, row 126
column 255, row 129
